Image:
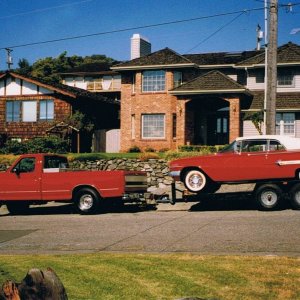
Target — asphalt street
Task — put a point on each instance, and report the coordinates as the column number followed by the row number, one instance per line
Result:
column 220, row 226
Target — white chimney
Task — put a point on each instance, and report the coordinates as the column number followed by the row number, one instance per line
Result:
column 140, row 46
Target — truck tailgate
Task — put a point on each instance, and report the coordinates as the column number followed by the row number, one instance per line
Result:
column 135, row 181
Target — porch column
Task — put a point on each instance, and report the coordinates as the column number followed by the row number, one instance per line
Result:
column 234, row 118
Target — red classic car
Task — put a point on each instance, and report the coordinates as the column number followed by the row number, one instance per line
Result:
column 264, row 158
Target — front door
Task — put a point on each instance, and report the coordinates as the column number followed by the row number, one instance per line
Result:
column 218, row 129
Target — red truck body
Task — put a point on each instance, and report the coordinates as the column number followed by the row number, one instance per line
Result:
column 46, row 177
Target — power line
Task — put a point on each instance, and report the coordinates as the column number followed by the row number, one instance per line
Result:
column 132, row 28
column 215, row 32
column 44, row 9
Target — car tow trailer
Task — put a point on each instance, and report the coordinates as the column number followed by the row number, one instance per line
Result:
column 268, row 195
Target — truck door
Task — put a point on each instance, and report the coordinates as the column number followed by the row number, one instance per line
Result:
column 23, row 182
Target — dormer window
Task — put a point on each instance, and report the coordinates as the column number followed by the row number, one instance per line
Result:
column 154, row 81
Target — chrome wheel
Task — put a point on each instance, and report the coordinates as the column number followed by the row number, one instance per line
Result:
column 87, row 201
column 268, row 196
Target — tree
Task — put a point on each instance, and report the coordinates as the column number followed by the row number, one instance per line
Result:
column 24, row 67
column 49, row 68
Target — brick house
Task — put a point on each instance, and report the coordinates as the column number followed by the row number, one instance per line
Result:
column 168, row 99
column 30, row 107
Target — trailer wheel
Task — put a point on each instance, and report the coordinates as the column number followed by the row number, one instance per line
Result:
column 195, row 181
column 17, row 207
column 295, row 196
column 86, row 201
column 268, row 196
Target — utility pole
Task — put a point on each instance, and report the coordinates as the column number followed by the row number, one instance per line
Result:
column 9, row 59
column 272, row 69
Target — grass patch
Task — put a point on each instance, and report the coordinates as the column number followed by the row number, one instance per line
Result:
column 170, row 276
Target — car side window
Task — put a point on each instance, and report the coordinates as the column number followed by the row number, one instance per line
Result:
column 254, row 146
column 276, row 146
column 25, row 165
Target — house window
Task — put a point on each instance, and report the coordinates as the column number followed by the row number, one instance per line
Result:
column 154, row 81
column 285, row 79
column 29, row 110
column 133, row 127
column 174, row 125
column 177, row 79
column 13, row 109
column 285, row 124
column 153, row 126
column 260, row 77
column 46, row 110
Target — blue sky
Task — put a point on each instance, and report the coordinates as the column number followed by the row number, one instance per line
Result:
column 31, row 21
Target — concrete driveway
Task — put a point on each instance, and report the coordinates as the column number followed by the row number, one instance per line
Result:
column 221, row 226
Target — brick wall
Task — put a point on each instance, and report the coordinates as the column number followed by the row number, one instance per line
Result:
column 135, row 103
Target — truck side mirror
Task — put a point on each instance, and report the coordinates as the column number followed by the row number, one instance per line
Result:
column 16, row 170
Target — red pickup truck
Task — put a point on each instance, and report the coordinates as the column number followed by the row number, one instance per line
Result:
column 39, row 178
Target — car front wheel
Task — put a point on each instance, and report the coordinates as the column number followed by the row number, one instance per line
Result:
column 195, row 181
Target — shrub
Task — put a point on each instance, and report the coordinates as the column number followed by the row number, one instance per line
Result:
column 148, row 155
column 134, row 149
column 149, row 149
column 50, row 144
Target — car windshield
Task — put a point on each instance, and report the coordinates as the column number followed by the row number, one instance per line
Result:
column 233, row 147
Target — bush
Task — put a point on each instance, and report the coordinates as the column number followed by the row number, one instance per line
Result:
column 148, row 155
column 134, row 149
column 51, row 144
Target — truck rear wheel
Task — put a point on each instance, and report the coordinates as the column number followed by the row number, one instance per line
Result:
column 295, row 196
column 268, row 196
column 86, row 201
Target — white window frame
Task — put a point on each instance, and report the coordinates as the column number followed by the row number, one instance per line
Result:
column 150, row 126
column 282, row 125
column 154, row 81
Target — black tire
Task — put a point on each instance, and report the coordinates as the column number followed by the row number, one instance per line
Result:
column 17, row 207
column 295, row 196
column 268, row 196
column 195, row 181
column 86, row 201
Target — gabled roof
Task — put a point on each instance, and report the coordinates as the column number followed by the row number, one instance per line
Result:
column 286, row 54
column 210, row 83
column 63, row 89
column 165, row 58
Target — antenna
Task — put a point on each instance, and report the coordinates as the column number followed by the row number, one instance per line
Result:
column 9, row 59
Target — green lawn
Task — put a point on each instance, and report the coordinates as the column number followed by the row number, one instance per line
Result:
column 167, row 276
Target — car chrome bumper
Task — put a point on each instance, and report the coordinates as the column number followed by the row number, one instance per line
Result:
column 174, row 174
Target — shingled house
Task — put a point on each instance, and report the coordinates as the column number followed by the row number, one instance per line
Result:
column 31, row 108
column 168, row 99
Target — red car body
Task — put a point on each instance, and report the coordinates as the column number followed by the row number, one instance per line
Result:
column 250, row 159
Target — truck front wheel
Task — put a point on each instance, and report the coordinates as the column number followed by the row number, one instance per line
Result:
column 87, row 201
column 268, row 196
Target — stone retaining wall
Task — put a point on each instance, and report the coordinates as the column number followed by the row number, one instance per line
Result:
column 157, row 169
